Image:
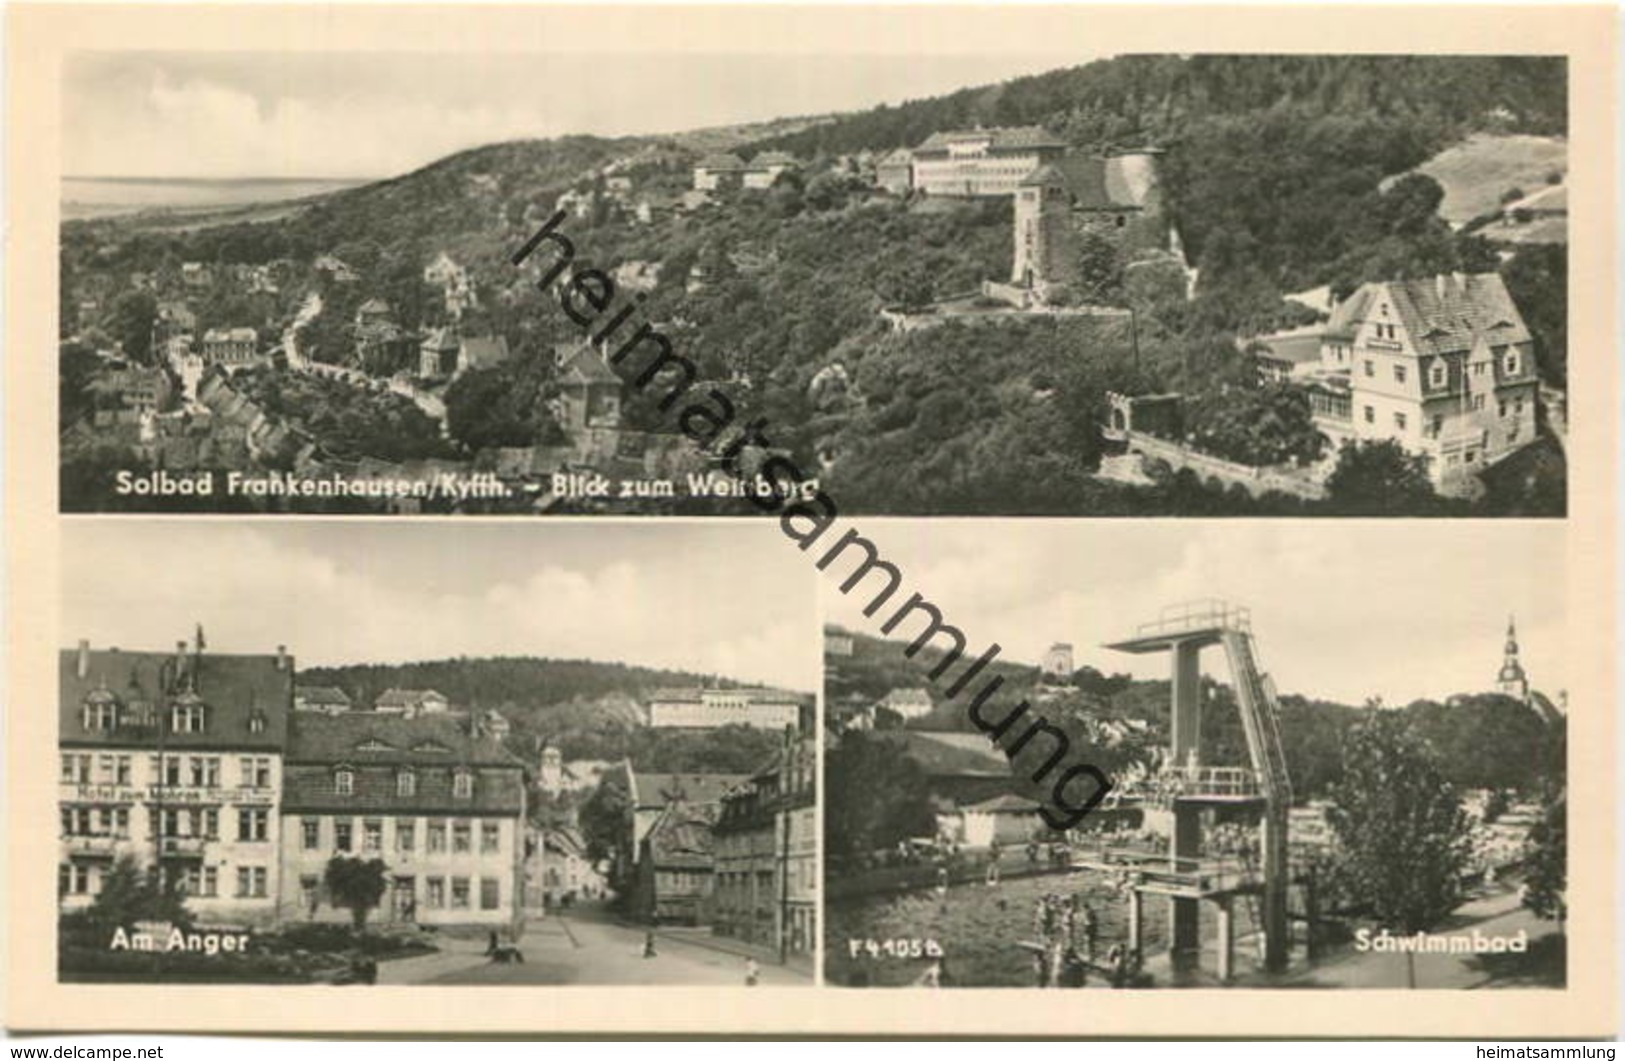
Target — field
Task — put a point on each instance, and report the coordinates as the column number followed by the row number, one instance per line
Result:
column 1478, row 171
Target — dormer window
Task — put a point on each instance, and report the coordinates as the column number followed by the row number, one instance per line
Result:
column 1510, row 363
column 256, row 721
column 344, row 781
column 406, row 783
column 1437, row 374
column 187, row 718
column 462, row 784
column 100, row 714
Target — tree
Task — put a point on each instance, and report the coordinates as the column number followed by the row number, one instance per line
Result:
column 1100, row 271
column 1380, row 479
column 1547, row 870
column 356, row 884
column 1403, row 839
column 606, row 825
column 876, row 796
column 130, row 894
column 133, row 315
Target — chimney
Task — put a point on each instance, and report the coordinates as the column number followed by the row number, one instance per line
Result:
column 1439, row 282
column 282, row 657
column 84, row 659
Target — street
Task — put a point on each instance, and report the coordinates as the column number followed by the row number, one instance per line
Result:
column 585, row 946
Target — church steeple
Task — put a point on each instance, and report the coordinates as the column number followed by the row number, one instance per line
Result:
column 1512, row 681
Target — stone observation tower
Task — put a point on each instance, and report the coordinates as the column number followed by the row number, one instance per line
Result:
column 1260, row 793
column 1058, row 661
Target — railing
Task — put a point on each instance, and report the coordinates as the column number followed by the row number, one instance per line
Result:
column 1197, row 615
column 183, row 845
column 1195, row 782
column 93, row 845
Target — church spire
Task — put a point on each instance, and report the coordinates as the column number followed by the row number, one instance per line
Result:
column 1512, row 681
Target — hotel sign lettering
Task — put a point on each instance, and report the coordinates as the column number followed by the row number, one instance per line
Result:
column 173, row 794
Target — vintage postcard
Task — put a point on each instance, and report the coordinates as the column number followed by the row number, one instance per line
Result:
column 767, row 519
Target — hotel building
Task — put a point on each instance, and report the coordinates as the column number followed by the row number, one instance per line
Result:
column 174, row 760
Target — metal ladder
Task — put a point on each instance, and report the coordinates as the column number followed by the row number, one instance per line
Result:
column 1260, row 718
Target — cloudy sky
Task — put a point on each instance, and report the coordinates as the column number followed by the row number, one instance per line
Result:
column 730, row 599
column 1342, row 609
column 340, row 114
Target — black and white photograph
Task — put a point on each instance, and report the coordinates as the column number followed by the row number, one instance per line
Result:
column 1247, row 755
column 388, row 757
column 1071, row 284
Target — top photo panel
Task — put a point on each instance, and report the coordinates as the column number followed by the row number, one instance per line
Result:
column 732, row 284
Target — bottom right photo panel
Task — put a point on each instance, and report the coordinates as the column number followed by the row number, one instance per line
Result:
column 1105, row 755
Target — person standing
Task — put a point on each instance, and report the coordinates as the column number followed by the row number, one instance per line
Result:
column 753, row 972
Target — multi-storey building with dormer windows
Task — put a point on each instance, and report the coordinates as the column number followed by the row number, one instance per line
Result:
column 173, row 760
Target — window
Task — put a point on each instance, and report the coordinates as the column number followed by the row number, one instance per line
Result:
column 253, row 824
column 205, row 772
column 459, row 893
column 73, row 879
column 1399, row 373
column 256, row 721
column 437, row 837
column 1437, row 374
column 1399, row 421
column 1370, row 415
column 310, row 892
column 250, row 882
column 172, row 770
column 1478, row 403
column 372, row 835
column 1436, row 427
column 406, row 783
column 206, row 822
column 1510, row 363
column 100, row 715
column 405, row 836
column 461, row 838
column 462, row 784
column 434, row 892
column 255, row 771
column 121, row 770
column 344, row 782
column 169, row 823
column 342, row 828
column 186, row 718
column 121, row 821
column 310, row 834
column 490, row 893
column 76, row 769
column 490, row 837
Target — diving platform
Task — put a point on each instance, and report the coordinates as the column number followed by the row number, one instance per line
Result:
column 1194, row 791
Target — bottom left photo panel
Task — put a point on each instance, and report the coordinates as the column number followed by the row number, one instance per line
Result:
column 352, row 753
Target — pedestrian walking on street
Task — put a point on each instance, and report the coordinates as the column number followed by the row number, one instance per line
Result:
column 649, row 944
column 753, row 972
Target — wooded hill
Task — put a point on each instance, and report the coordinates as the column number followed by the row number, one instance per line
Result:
column 588, row 709
column 1484, row 740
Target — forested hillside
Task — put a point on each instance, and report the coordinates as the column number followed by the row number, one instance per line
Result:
column 1484, row 740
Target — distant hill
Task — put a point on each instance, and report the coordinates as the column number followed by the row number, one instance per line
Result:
column 590, row 710
column 1484, row 740
column 1480, row 173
